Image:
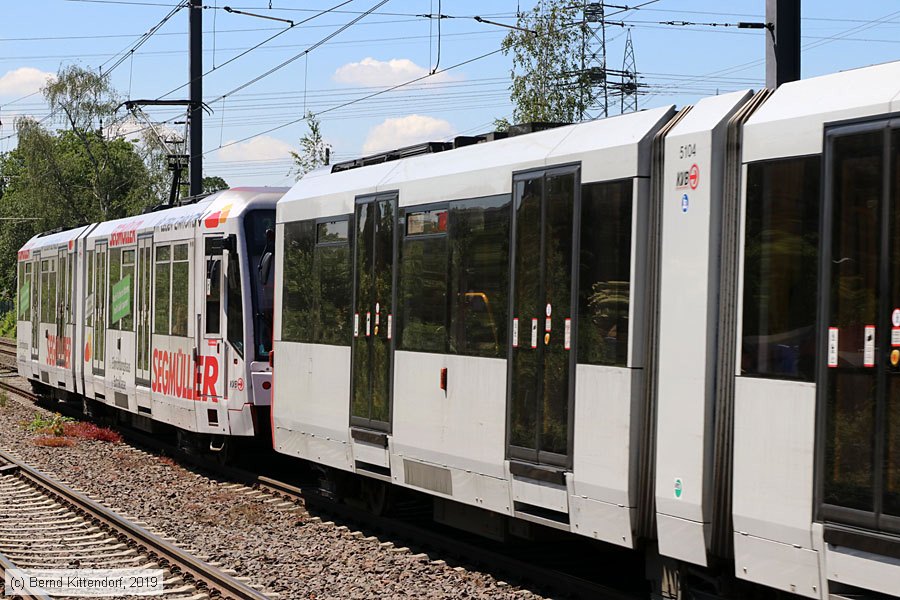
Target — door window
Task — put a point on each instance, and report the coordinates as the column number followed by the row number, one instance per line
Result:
column 860, row 372
column 541, row 378
column 372, row 347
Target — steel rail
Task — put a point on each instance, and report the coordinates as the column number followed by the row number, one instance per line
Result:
column 214, row 581
column 6, row 565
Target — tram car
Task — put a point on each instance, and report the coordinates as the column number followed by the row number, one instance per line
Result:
column 165, row 317
column 674, row 331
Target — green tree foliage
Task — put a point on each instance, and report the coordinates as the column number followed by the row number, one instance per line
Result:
column 214, row 184
column 314, row 150
column 547, row 84
column 68, row 177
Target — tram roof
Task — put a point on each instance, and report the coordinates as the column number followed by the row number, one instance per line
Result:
column 792, row 121
column 237, row 200
column 607, row 149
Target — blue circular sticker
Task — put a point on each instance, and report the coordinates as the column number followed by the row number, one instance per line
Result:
column 684, row 203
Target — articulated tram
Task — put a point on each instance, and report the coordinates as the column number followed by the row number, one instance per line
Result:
column 163, row 316
column 676, row 332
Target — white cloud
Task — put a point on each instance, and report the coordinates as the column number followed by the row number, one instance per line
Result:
column 406, row 131
column 23, row 81
column 370, row 72
column 263, row 147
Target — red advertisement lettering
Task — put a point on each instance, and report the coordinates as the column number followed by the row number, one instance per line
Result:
column 172, row 374
column 176, row 374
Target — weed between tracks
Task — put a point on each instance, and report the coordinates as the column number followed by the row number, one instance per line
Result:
column 57, row 431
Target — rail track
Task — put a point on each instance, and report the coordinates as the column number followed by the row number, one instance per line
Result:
column 45, row 524
column 7, row 347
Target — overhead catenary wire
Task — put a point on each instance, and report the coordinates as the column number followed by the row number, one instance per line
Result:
column 372, row 95
column 303, row 53
column 260, row 44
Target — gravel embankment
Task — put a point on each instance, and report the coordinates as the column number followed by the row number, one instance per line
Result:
column 275, row 545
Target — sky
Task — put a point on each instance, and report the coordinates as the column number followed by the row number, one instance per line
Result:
column 341, row 57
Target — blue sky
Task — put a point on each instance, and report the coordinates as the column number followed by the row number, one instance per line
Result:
column 251, row 130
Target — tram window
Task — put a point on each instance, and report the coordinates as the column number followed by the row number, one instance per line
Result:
column 62, row 308
column 332, row 232
column 423, row 287
column 180, row 289
column 128, row 258
column 332, row 283
column 91, row 289
column 479, row 276
column 298, row 291
column 605, row 273
column 162, row 290
column 235, row 308
column 28, row 298
column 115, row 271
column 781, row 269
column 426, row 221
column 454, row 278
column 21, row 302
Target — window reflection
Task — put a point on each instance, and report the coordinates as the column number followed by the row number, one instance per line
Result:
column 781, row 268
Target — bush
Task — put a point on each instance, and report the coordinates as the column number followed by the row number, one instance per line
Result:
column 8, row 324
column 55, row 424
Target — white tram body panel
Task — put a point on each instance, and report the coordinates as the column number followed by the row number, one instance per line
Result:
column 47, row 350
column 160, row 319
column 689, row 284
column 778, row 537
column 448, row 424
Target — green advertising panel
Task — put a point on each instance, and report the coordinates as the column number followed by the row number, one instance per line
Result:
column 121, row 299
column 24, row 298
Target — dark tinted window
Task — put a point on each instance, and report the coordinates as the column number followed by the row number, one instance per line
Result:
column 479, row 276
column 454, row 275
column 423, row 286
column 316, row 299
column 234, row 305
column 262, row 296
column 605, row 284
column 856, row 188
column 297, row 293
column 332, row 284
column 781, row 268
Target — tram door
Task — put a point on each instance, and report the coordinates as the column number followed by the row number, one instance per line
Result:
column 101, row 300
column 35, row 287
column 373, row 318
column 142, row 315
column 211, row 350
column 62, row 308
column 541, row 365
column 859, row 368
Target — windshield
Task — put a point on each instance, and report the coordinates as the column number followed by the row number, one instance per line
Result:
column 263, row 296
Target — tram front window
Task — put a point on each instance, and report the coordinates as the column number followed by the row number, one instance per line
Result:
column 256, row 225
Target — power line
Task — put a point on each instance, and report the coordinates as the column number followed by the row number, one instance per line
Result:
column 372, row 95
column 301, row 54
column 265, row 41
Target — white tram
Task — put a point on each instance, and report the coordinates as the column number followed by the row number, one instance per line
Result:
column 164, row 316
column 673, row 331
